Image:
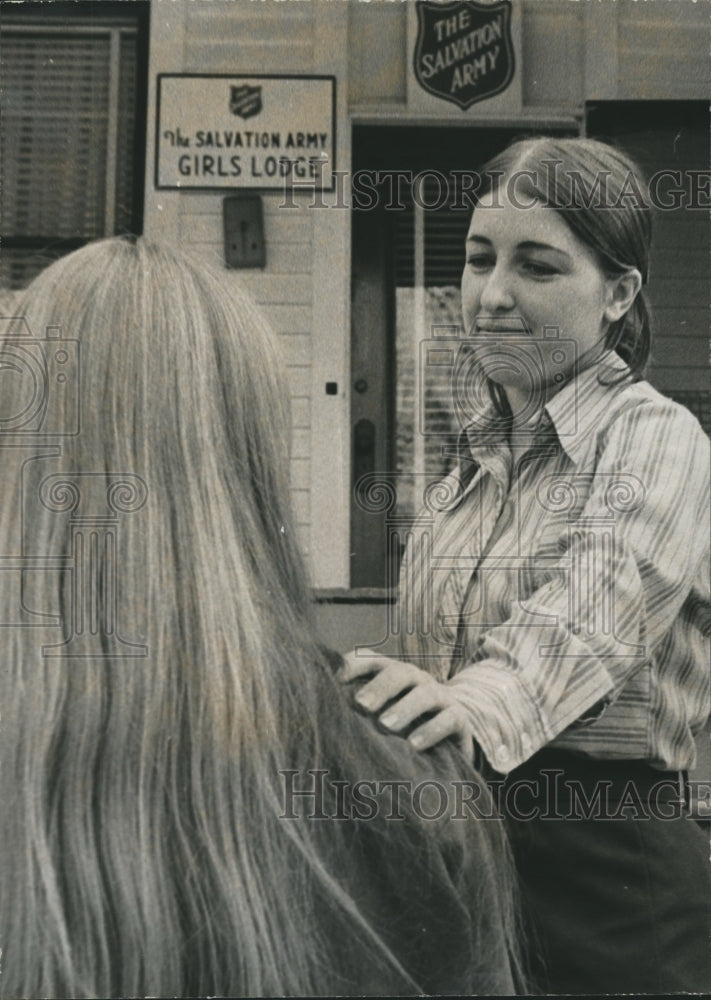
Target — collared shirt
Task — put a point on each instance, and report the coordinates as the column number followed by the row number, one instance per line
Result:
column 567, row 598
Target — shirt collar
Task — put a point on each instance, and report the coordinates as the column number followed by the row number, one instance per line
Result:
column 484, row 443
column 580, row 405
column 573, row 413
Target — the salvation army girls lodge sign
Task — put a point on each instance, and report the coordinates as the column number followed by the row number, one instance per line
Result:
column 259, row 132
column 465, row 53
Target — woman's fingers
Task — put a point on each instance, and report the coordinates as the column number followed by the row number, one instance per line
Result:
column 392, row 680
column 414, row 693
column 424, row 697
column 360, row 662
column 451, row 721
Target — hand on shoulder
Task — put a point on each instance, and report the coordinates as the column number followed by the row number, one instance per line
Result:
column 402, row 695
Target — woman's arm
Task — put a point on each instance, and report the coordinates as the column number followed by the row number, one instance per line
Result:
column 605, row 605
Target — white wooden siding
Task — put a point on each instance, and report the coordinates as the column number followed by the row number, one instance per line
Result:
column 663, row 49
column 572, row 51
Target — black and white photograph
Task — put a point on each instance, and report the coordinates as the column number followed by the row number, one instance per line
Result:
column 355, row 524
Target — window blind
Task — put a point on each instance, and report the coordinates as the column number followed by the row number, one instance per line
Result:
column 445, row 232
column 63, row 137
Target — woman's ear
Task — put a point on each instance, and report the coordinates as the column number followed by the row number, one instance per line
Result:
column 622, row 291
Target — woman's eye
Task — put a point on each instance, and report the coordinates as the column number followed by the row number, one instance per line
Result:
column 480, row 262
column 538, row 269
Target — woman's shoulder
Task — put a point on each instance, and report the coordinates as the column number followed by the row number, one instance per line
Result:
column 435, row 876
column 430, row 785
column 381, row 774
column 642, row 398
column 638, row 419
column 428, row 862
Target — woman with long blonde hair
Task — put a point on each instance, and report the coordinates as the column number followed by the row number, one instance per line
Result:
column 164, row 694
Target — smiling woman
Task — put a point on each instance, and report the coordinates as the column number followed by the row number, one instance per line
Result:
column 527, row 272
column 555, row 587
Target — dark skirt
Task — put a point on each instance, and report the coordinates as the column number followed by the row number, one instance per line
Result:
column 615, row 877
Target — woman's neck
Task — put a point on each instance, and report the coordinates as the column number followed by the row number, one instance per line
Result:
column 526, row 408
column 527, row 404
column 526, row 415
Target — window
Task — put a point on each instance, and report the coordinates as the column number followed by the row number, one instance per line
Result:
column 73, row 110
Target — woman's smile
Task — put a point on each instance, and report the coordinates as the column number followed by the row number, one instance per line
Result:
column 528, row 276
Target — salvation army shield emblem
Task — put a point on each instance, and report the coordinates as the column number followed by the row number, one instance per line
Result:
column 245, row 101
column 464, row 51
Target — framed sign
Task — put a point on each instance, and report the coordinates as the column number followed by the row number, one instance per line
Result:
column 464, row 54
column 258, row 132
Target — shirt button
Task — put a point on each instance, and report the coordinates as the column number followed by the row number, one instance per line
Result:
column 502, row 754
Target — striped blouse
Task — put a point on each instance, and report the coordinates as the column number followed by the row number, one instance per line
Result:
column 567, row 599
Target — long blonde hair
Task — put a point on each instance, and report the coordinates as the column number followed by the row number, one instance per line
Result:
column 143, row 849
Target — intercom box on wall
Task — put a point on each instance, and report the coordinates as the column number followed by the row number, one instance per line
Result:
column 244, row 231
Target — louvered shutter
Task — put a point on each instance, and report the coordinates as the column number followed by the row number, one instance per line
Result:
column 445, row 233
column 68, row 108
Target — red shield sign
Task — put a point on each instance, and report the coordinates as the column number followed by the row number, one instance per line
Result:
column 464, row 51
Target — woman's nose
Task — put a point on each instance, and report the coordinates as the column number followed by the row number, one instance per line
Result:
column 497, row 293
